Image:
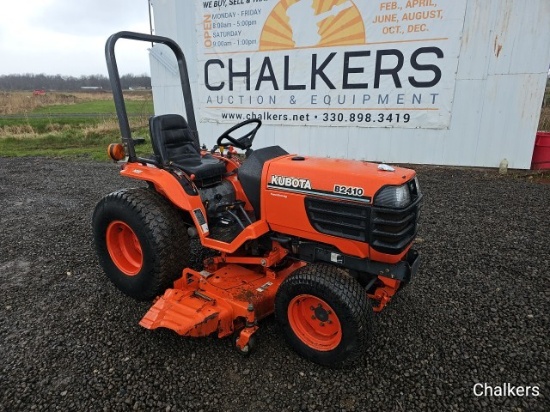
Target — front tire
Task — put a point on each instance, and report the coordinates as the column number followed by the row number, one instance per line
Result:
column 325, row 315
column 141, row 241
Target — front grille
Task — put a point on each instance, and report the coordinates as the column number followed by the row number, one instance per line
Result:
column 342, row 219
column 391, row 230
column 387, row 230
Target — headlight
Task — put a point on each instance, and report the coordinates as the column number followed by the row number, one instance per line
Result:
column 393, row 196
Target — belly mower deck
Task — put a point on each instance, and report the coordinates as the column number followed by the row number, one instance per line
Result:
column 226, row 298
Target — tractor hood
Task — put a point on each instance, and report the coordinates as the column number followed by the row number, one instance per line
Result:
column 346, row 179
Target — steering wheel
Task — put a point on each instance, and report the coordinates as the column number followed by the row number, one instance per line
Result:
column 244, row 142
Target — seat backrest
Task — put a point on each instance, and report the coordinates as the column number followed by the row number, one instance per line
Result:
column 173, row 140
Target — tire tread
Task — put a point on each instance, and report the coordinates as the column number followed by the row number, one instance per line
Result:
column 165, row 230
column 324, row 278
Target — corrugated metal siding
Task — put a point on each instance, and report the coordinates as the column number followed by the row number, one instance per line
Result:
column 502, row 70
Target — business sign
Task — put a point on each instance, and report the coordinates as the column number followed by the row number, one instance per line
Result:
column 365, row 63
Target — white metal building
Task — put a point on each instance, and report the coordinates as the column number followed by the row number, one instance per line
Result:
column 493, row 58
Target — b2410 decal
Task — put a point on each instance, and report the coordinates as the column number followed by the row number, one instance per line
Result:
column 349, row 190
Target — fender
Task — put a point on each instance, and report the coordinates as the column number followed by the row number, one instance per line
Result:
column 165, row 183
column 168, row 186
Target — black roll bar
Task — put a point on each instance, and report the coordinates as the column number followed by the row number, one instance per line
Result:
column 116, row 86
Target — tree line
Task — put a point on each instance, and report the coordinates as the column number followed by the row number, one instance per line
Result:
column 15, row 82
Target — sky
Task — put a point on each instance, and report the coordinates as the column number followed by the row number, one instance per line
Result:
column 68, row 37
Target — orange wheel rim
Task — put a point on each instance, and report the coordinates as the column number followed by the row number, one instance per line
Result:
column 314, row 322
column 124, row 248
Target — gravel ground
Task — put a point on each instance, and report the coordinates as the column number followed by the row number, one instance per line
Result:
column 476, row 313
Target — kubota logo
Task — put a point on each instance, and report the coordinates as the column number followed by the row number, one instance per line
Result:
column 292, row 182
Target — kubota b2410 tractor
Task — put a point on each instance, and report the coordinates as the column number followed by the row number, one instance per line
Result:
column 321, row 243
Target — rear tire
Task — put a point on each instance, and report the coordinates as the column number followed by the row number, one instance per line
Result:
column 141, row 241
column 325, row 315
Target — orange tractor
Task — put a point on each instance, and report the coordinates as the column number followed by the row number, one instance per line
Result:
column 321, row 243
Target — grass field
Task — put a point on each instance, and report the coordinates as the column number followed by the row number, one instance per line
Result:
column 83, row 124
column 58, row 124
column 17, row 103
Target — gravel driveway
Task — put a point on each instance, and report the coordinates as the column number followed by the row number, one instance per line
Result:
column 478, row 312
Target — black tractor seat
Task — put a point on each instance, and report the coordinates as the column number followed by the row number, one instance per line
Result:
column 175, row 144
